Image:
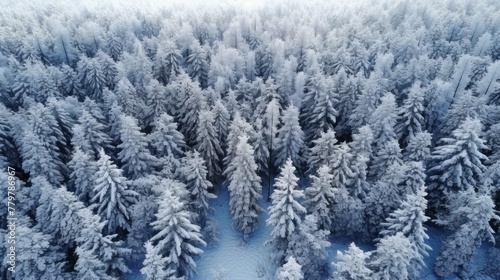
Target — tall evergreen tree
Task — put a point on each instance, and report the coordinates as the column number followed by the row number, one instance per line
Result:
column 285, row 212
column 208, row 144
column 194, row 173
column 290, row 142
column 320, row 196
column 244, row 187
column 178, row 239
column 322, row 151
column 112, row 194
column 411, row 114
column 136, row 158
column 458, row 162
column 353, row 264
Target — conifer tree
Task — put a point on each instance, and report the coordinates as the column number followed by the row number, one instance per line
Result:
column 208, row 144
column 352, row 264
column 136, row 158
column 285, row 212
column 291, row 270
column 408, row 219
column 261, row 149
column 154, row 263
column 112, row 194
column 90, row 135
column 237, row 128
column 469, row 216
column 320, row 196
column 457, row 163
column 177, row 238
column 418, row 148
column 393, row 257
column 194, row 174
column 221, row 122
column 322, row 151
column 82, row 177
column 308, row 246
column 244, row 187
column 411, row 114
column 165, row 139
column 290, row 142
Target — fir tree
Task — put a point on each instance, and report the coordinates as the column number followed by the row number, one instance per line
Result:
column 285, row 212
column 136, row 158
column 82, row 177
column 244, row 187
column 291, row 270
column 194, row 174
column 322, row 151
column 353, row 264
column 112, row 194
column 290, row 142
column 320, row 196
column 178, row 238
column 393, row 257
column 308, row 246
column 208, row 144
column 411, row 114
column 418, row 148
column 89, row 135
column 457, row 163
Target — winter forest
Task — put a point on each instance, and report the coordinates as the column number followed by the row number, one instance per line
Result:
column 237, row 140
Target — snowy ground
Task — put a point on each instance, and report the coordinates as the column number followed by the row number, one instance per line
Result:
column 233, row 259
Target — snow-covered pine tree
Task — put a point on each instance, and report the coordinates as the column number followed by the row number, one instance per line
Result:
column 387, row 155
column 197, row 65
column 352, row 264
column 322, row 151
column 244, row 187
column 383, row 121
column 414, row 178
column 320, row 196
column 165, row 139
column 340, row 165
column 291, row 270
column 194, row 174
column 261, row 149
column 470, row 214
column 237, row 128
column 383, row 198
column 308, row 246
column 323, row 114
column 167, row 62
column 90, row 136
column 178, row 239
column 221, row 122
column 408, row 219
column 207, row 143
column 130, row 100
column 285, row 212
column 290, row 142
column 189, row 120
column 362, row 142
column 411, row 114
column 154, row 264
column 458, row 162
column 112, row 194
column 82, row 177
column 359, row 186
column 394, row 257
column 418, row 148
column 134, row 155
column 157, row 101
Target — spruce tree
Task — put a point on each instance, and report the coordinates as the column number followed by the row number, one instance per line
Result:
column 285, row 212
column 177, row 238
column 208, row 144
column 320, row 196
column 134, row 155
column 322, row 151
column 290, row 142
column 112, row 194
column 352, row 264
column 244, row 187
column 194, row 173
column 291, row 270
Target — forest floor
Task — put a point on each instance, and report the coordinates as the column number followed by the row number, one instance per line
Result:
column 231, row 258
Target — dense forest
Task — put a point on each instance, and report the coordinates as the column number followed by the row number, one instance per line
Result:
column 373, row 120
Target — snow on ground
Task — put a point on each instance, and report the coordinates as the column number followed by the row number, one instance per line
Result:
column 233, row 259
